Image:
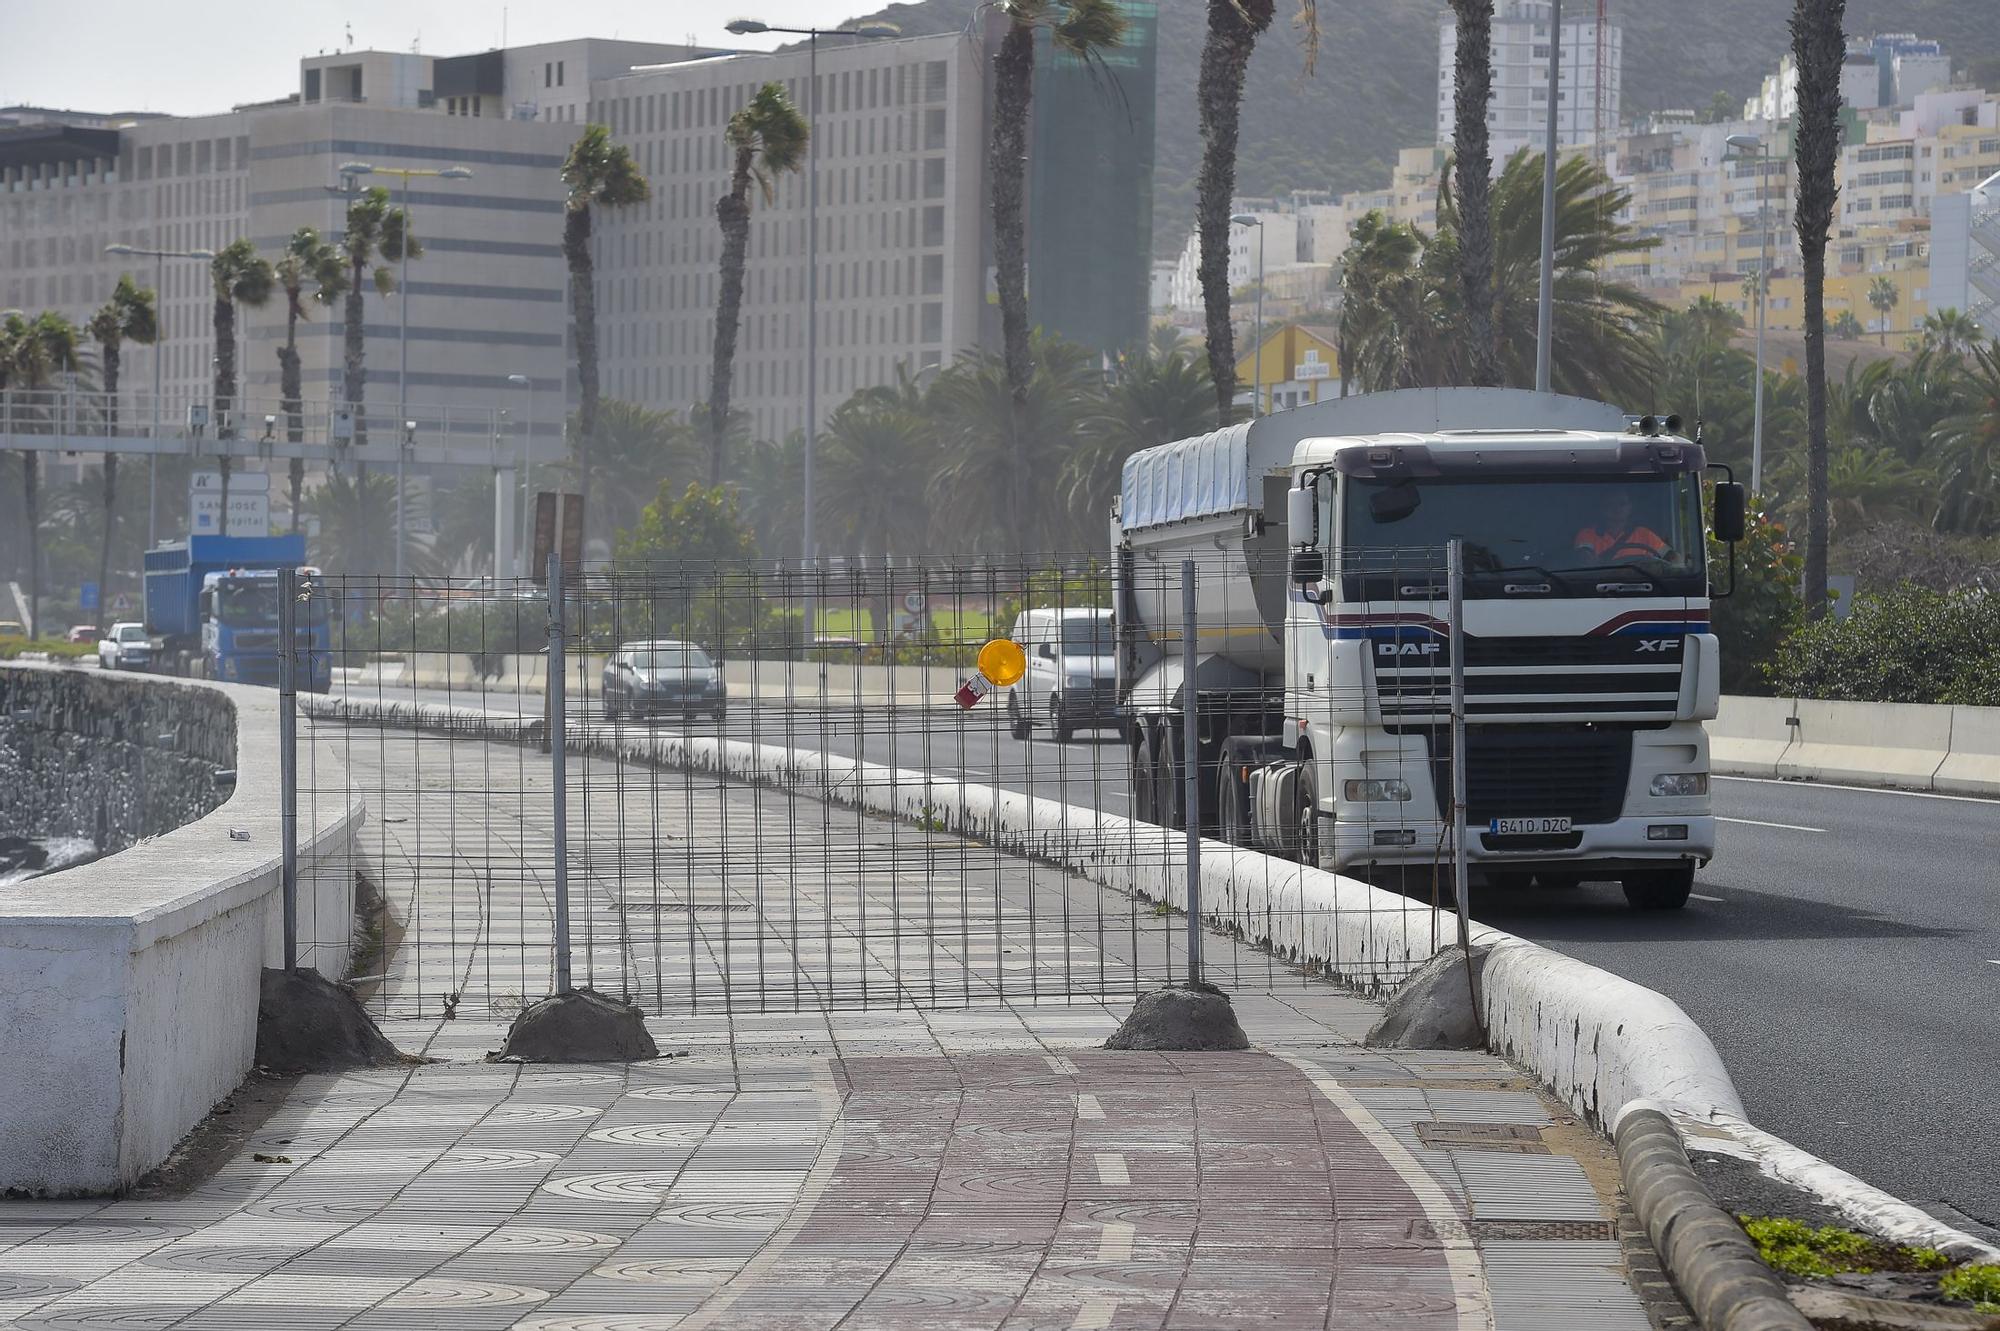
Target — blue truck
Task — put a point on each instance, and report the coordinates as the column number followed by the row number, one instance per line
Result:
column 212, row 610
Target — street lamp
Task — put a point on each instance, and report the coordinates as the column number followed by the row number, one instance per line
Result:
column 1257, row 356
column 743, row 27
column 159, row 258
column 348, row 170
column 1755, row 143
column 527, row 468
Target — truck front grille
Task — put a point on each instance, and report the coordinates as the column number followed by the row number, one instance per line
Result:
column 1538, row 772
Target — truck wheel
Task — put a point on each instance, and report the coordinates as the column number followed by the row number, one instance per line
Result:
column 1305, row 818
column 1664, row 889
column 1018, row 724
column 1232, row 806
column 1059, row 729
column 1142, row 772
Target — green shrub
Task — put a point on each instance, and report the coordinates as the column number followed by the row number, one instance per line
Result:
column 55, row 648
column 1751, row 623
column 1909, row 645
column 1978, row 1285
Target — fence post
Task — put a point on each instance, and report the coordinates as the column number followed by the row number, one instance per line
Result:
column 558, row 790
column 1455, row 588
column 288, row 757
column 1191, row 761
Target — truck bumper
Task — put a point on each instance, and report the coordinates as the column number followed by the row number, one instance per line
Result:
column 1610, row 848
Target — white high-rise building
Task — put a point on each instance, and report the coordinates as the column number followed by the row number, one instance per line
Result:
column 1587, row 95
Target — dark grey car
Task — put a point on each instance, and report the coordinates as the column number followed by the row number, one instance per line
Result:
column 647, row 678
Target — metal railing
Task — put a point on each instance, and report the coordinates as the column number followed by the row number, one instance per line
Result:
column 653, row 781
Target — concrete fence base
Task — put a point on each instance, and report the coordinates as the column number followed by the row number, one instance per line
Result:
column 1906, row 746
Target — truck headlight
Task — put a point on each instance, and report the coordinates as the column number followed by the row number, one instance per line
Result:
column 1376, row 790
column 1680, row 783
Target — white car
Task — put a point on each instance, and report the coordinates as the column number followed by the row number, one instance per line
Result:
column 125, row 647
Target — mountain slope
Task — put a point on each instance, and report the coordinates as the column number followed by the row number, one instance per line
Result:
column 1375, row 86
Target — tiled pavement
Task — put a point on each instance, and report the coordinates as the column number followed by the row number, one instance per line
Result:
column 977, row 1168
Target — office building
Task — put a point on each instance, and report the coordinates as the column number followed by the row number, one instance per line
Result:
column 1588, row 91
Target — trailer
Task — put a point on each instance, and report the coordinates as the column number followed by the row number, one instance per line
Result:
column 212, row 611
column 1323, row 643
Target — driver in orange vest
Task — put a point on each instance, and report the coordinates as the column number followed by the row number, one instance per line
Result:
column 1616, row 538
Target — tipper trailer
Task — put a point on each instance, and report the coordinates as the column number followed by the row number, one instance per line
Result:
column 1322, row 691
column 212, row 608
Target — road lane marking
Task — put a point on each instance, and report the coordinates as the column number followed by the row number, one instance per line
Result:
column 1866, row 790
column 1087, row 1107
column 1111, row 1171
column 1783, row 827
column 1993, row 963
column 1116, row 1244
column 1059, row 1064
column 1697, row 896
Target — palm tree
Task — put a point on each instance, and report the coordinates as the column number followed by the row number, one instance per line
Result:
column 1882, row 298
column 357, row 528
column 875, row 458
column 1233, row 29
column 1846, row 327
column 1472, row 88
column 599, row 174
column 308, row 260
column 1952, row 332
column 376, row 236
column 1151, row 400
column 129, row 316
column 637, row 450
column 990, row 446
column 240, row 276
column 1817, row 49
column 768, row 138
column 33, row 352
column 1968, row 447
column 1378, row 249
column 1082, row 29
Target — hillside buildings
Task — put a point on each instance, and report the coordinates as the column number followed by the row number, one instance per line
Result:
column 1588, row 88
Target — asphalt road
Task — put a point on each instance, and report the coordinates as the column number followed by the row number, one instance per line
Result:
column 1843, row 949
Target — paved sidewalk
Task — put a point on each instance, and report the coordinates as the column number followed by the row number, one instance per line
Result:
column 972, row 1168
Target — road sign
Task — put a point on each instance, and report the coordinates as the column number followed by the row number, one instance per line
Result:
column 559, row 527
column 249, row 504
column 240, row 482
column 914, row 602
column 121, row 604
column 86, row 598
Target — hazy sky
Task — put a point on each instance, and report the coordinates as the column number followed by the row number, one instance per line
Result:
column 196, row 56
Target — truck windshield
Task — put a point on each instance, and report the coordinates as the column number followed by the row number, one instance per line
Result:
column 1548, row 536
column 247, row 605
column 1087, row 637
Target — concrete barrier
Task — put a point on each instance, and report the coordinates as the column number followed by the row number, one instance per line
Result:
column 1972, row 766
column 129, row 986
column 1749, row 736
column 1884, row 744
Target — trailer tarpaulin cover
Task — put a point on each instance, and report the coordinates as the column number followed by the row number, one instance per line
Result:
column 1190, row 478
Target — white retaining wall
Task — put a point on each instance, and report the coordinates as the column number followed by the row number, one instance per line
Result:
column 1907, row 746
column 129, row 986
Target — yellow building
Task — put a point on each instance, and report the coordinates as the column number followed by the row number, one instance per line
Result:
column 1298, row 364
column 1846, row 293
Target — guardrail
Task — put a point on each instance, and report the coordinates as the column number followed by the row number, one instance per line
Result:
column 129, row 986
column 1905, row 746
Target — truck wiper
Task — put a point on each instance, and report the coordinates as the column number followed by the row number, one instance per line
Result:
column 1641, row 579
column 1554, row 582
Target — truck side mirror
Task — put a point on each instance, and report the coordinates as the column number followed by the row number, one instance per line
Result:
column 1308, row 567
column 1302, row 514
column 1731, row 510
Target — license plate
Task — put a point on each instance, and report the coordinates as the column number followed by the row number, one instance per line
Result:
column 1527, row 826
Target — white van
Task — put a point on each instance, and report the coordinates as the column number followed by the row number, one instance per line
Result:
column 1072, row 680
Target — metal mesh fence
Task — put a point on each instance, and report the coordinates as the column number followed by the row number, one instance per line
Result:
column 755, row 815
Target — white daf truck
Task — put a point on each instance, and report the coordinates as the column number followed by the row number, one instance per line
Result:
column 1322, row 682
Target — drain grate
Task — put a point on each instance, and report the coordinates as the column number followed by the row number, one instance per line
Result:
column 1517, row 1138
column 1503, row 1230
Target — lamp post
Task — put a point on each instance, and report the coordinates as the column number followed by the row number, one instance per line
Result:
column 1256, row 356
column 1755, row 143
column 1545, row 305
column 527, row 464
column 743, row 27
column 159, row 258
column 347, row 171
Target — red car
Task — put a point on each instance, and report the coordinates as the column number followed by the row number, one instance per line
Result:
column 84, row 633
